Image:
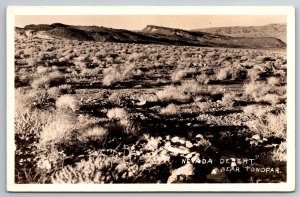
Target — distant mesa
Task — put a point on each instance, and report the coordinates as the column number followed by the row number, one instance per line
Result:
column 270, row 30
column 232, row 37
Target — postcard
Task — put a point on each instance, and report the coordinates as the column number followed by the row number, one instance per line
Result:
column 150, row 98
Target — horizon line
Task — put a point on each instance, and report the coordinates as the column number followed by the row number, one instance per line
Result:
column 154, row 26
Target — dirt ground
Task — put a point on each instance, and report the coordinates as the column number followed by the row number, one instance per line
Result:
column 92, row 112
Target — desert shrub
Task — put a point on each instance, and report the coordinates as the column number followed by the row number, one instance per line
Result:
column 256, row 89
column 244, row 58
column 54, row 91
column 47, row 80
column 170, row 110
column 204, row 106
column 202, row 98
column 122, row 122
column 129, row 127
column 129, row 71
column 33, row 61
column 212, row 55
column 228, row 99
column 274, row 81
column 260, row 58
column 23, row 78
column 213, row 90
column 42, row 82
column 65, row 89
column 253, row 109
column 67, row 102
column 224, row 73
column 42, row 69
column 49, row 162
column 56, row 68
column 263, row 92
column 189, row 87
column 105, row 169
column 172, row 60
column 281, row 74
column 181, row 64
column 267, row 58
column 29, row 99
column 203, row 79
column 267, row 70
column 56, row 135
column 139, row 72
column 36, row 98
column 277, row 124
column 272, row 99
column 180, row 74
column 280, row 153
column 80, row 65
column 267, row 123
column 116, row 98
column 82, row 58
column 69, row 56
column 62, row 89
column 145, row 97
column 58, row 131
column 95, row 60
column 29, row 176
column 21, row 101
column 118, row 73
column 29, row 122
column 240, row 74
column 182, row 174
column 254, row 73
column 28, row 125
column 109, row 60
column 93, row 170
column 85, row 120
column 117, row 113
column 258, row 110
column 93, row 133
column 171, row 93
column 62, row 59
column 118, row 168
column 136, row 57
column 152, row 142
column 88, row 72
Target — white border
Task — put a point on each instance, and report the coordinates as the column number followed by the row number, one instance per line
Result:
column 289, row 11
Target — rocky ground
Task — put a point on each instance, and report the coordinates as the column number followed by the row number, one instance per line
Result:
column 91, row 112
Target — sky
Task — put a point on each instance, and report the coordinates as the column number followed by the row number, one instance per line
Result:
column 134, row 22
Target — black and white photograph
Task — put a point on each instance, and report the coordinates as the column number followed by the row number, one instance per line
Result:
column 150, row 99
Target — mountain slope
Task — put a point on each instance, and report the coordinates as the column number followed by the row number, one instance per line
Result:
column 211, row 39
column 149, row 35
column 70, row 33
column 271, row 30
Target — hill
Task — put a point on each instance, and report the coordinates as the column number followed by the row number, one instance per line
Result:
column 215, row 40
column 149, row 35
column 271, row 30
